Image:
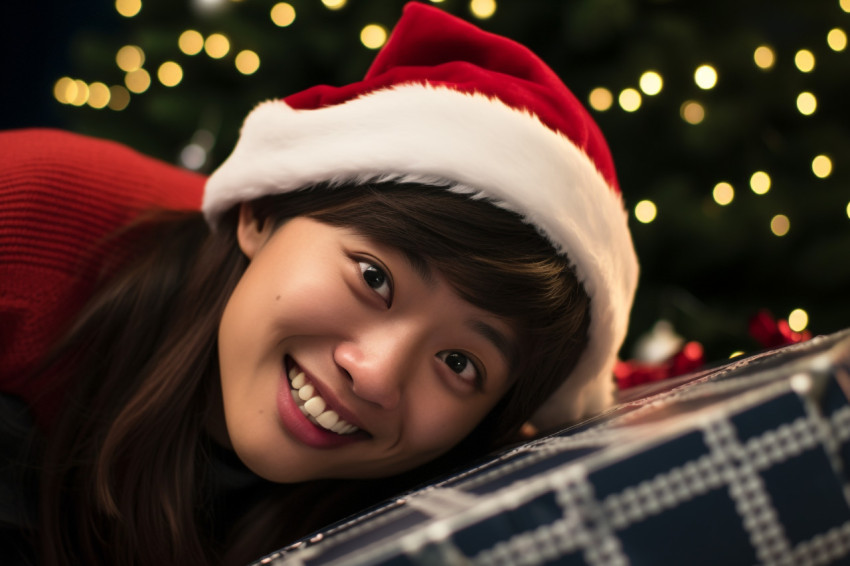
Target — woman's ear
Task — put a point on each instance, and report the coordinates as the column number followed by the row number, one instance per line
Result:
column 251, row 232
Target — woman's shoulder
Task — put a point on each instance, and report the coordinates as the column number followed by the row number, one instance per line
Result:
column 62, row 194
column 65, row 165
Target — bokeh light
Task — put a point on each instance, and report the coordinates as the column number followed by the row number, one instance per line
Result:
column 170, row 73
column 600, row 99
column 334, row 4
column 373, row 36
column 119, row 97
column 723, row 193
column 705, row 77
column 247, row 62
column 482, row 9
column 764, row 57
column 804, row 60
column 807, row 103
column 190, row 42
column 822, row 166
column 64, row 90
column 651, row 83
column 128, row 8
column 692, row 112
column 836, row 39
column 98, row 95
column 646, row 211
column 630, row 99
column 129, row 58
column 137, row 81
column 760, row 182
column 780, row 225
column 283, row 14
column 81, row 93
column 217, row 46
column 798, row 320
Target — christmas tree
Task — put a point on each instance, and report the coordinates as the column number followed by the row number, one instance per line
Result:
column 727, row 120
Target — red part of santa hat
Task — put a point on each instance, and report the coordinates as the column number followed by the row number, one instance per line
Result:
column 447, row 103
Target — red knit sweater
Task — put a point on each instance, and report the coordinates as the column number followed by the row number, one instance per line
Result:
column 61, row 194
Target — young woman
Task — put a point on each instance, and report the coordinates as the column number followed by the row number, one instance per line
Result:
column 385, row 279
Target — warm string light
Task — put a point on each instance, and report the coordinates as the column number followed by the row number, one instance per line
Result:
column 190, row 42
column 723, row 193
column 646, row 211
column 804, row 60
column 651, row 83
column 217, row 45
column 764, row 57
column 119, row 97
column 128, row 8
column 373, row 36
column 482, row 9
column 780, row 225
column 692, row 112
column 130, row 58
column 247, row 62
column 705, row 77
column 807, row 103
column 760, row 182
column 170, row 74
column 282, row 14
column 836, row 39
column 630, row 99
column 798, row 320
column 822, row 166
column 97, row 95
column 600, row 99
column 137, row 81
column 334, row 4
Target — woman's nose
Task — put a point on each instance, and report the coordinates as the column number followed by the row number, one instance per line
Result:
column 377, row 366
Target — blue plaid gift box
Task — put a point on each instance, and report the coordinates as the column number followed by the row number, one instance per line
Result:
column 743, row 464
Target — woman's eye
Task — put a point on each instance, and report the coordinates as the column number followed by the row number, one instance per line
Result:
column 377, row 280
column 462, row 365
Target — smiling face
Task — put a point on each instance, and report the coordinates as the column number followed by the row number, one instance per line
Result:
column 340, row 357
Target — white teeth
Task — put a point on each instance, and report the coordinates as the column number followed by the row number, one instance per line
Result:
column 314, row 407
column 328, row 419
column 299, row 380
column 306, row 392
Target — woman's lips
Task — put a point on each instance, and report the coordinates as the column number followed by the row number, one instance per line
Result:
column 290, row 401
column 313, row 405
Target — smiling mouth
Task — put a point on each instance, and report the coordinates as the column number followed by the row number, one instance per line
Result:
column 311, row 404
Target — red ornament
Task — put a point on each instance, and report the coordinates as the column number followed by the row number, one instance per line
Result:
column 630, row 373
column 772, row 333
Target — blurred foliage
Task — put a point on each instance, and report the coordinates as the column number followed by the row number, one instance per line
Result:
column 706, row 268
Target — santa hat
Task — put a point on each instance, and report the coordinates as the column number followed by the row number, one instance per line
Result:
column 447, row 102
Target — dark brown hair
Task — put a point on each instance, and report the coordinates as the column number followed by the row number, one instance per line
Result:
column 125, row 467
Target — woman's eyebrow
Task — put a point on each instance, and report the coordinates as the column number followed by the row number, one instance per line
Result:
column 502, row 343
column 420, row 267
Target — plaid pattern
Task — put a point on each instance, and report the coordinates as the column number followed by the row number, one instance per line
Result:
column 743, row 464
